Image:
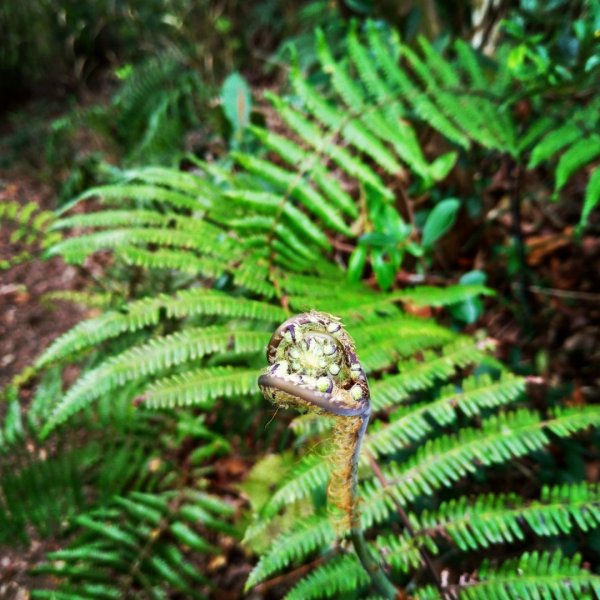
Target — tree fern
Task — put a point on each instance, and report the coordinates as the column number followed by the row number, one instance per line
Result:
column 439, row 463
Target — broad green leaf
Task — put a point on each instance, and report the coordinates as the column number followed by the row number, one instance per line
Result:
column 592, row 197
column 470, row 309
column 237, row 101
column 440, row 221
column 575, row 158
column 357, row 261
column 384, row 271
column 442, row 165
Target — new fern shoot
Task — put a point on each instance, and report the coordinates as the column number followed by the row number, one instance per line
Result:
column 313, row 367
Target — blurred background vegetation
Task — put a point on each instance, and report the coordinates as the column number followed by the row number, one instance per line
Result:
column 500, row 187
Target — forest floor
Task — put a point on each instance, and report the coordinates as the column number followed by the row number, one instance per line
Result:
column 29, row 321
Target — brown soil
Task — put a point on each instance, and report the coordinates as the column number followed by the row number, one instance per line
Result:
column 28, row 323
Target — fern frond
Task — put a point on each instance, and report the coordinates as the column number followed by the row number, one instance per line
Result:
column 364, row 133
column 317, row 137
column 470, row 112
column 43, row 486
column 77, row 249
column 567, row 421
column 369, row 333
column 89, row 333
column 540, row 127
column 29, row 226
column 491, row 519
column 177, row 179
column 102, row 300
column 553, row 142
column 112, row 218
column 294, row 155
column 158, row 355
column 295, row 187
column 201, row 387
column 592, row 197
column 410, row 424
column 176, row 260
column 388, row 121
column 272, row 205
column 145, row 312
column 306, row 285
column 40, row 494
column 399, row 80
column 156, row 104
column 148, row 193
column 311, row 473
column 364, row 305
column 297, row 544
column 115, row 219
column 419, row 375
column 548, row 575
column 469, row 61
column 388, row 351
column 254, row 276
column 577, row 156
column 342, row 574
column 425, row 295
column 446, row 459
column 198, row 301
column 150, row 530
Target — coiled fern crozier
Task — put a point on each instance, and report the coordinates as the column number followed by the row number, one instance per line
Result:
column 314, row 367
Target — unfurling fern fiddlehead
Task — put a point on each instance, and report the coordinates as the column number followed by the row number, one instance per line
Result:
column 313, row 367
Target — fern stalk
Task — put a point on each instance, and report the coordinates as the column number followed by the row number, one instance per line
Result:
column 314, row 367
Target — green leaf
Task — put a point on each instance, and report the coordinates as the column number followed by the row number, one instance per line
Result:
column 384, row 271
column 440, row 221
column 592, row 197
column 442, row 165
column 237, row 102
column 469, row 310
column 576, row 157
column 553, row 142
column 357, row 261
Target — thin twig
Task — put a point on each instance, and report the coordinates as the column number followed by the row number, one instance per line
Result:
column 568, row 294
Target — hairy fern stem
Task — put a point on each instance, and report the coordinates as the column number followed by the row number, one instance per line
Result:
column 313, row 367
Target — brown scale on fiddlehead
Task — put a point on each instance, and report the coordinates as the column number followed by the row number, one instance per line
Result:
column 313, row 367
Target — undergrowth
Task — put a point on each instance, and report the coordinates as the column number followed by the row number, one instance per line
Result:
column 116, row 465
